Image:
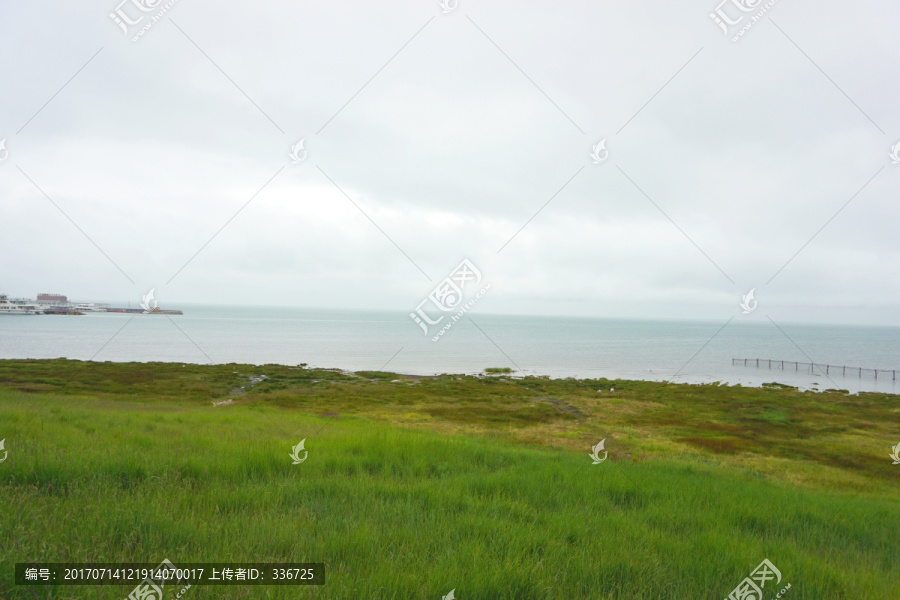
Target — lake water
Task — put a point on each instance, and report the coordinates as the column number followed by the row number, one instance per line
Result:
column 555, row 346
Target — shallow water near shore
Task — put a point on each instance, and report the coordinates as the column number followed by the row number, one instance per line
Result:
column 683, row 351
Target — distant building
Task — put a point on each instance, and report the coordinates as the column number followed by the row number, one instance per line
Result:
column 52, row 298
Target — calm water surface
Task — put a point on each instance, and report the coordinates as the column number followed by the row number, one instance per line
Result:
column 555, row 346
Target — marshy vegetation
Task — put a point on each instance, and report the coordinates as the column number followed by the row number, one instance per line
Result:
column 418, row 485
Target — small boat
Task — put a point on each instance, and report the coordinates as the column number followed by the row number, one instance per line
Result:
column 90, row 307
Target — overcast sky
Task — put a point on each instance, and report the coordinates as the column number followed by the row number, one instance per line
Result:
column 431, row 137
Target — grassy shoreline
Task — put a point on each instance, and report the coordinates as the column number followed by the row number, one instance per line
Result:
column 417, row 485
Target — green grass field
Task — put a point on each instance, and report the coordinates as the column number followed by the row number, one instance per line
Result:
column 416, row 486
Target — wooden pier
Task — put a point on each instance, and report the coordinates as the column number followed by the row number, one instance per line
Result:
column 843, row 370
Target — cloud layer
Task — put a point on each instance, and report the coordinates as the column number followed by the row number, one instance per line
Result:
column 433, row 137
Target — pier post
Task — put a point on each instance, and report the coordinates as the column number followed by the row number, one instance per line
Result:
column 810, row 367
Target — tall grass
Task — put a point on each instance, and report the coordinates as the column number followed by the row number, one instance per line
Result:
column 399, row 514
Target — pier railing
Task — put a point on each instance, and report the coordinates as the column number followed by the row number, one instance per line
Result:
column 842, row 370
